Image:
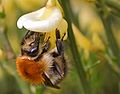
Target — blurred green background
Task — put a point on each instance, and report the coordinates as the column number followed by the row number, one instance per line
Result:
column 92, row 47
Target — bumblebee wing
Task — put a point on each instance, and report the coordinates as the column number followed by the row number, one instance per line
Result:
column 48, row 82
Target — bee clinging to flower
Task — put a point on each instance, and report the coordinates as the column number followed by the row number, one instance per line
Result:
column 42, row 50
column 39, row 64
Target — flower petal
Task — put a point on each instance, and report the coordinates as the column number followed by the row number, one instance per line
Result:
column 37, row 22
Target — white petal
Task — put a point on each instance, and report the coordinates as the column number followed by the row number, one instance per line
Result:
column 34, row 22
column 32, row 15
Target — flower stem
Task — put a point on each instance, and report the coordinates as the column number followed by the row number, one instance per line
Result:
column 113, row 66
column 113, row 4
column 74, row 50
column 111, row 39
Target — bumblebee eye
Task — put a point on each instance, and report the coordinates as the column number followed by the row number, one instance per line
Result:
column 33, row 52
column 30, row 52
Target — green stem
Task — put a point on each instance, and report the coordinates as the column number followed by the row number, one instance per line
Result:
column 113, row 4
column 74, row 50
column 110, row 37
column 113, row 66
column 74, row 18
column 115, row 13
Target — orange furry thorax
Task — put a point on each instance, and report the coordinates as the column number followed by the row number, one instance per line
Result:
column 30, row 70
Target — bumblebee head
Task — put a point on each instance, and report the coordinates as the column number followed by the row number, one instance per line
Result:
column 30, row 44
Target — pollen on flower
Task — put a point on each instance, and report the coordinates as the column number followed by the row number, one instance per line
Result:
column 30, row 70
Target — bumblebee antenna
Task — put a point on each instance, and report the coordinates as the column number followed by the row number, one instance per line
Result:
column 59, row 43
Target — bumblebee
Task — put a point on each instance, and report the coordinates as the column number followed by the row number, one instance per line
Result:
column 40, row 65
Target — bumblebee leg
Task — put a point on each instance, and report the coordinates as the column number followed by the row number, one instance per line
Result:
column 60, row 50
column 59, row 43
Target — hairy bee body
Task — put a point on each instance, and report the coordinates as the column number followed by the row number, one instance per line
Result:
column 47, row 67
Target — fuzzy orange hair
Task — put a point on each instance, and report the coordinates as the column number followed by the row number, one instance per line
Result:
column 30, row 70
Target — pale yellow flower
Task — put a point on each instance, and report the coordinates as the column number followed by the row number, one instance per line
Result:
column 46, row 19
